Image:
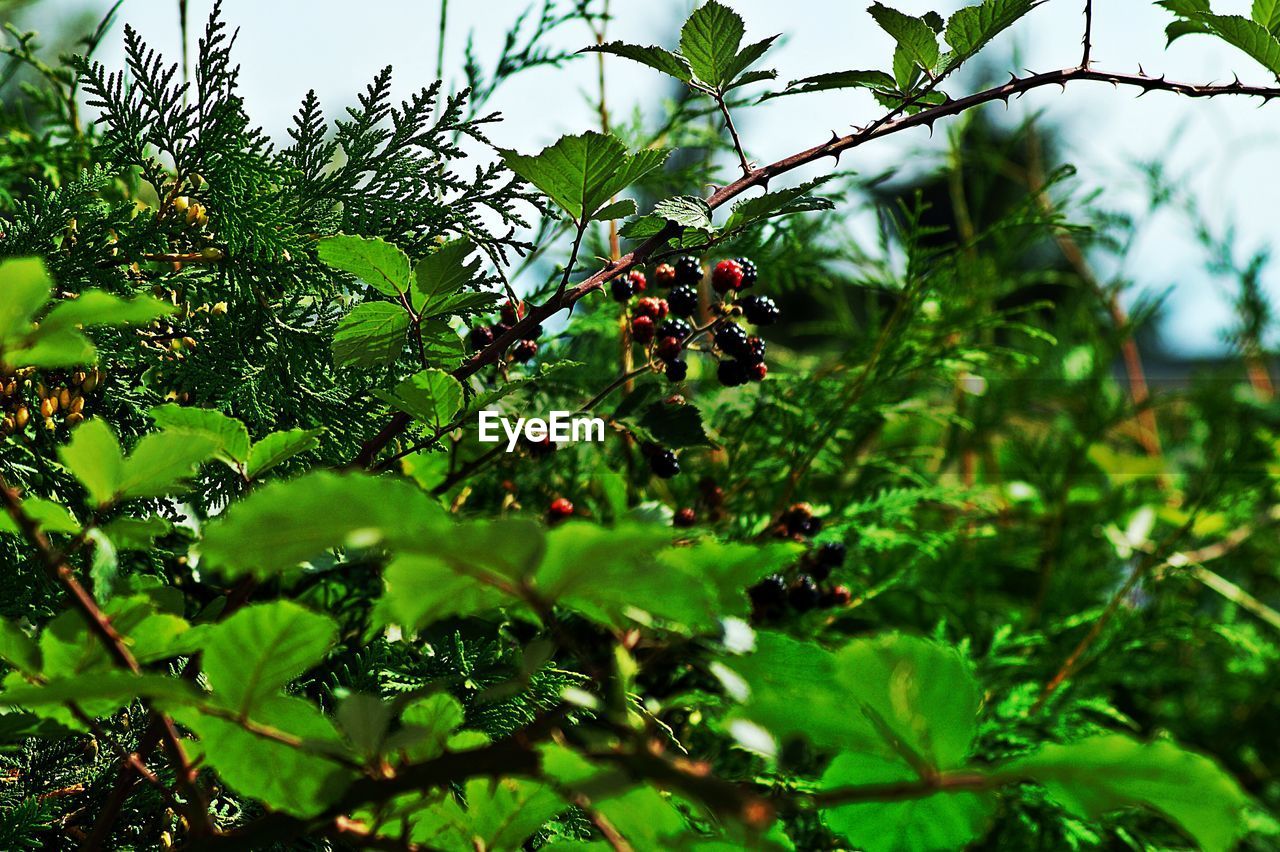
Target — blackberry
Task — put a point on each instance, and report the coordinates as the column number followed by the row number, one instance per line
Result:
column 803, row 594
column 500, row 329
column 638, row 281
column 533, row 332
column 830, row 554
column 748, row 272
column 677, row 328
column 755, row 350
column 731, row 339
column 727, row 276
column 664, row 275
column 669, row 347
column 481, row 336
column 677, row 370
column 524, row 351
column 688, row 270
column 836, row 596
column 663, row 463
column 642, row 329
column 651, row 307
column 622, row 289
column 760, row 310
column 757, row 372
column 683, row 301
column 559, row 509
column 731, row 373
column 684, row 518
column 769, row 593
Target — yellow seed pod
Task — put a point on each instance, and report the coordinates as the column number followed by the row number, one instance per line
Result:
column 90, row 381
column 21, row 416
column 40, row 391
column 77, row 405
column 212, row 254
column 74, row 417
column 64, row 397
column 285, row 256
column 181, row 204
column 197, row 180
column 77, row 378
column 7, row 425
column 219, row 309
column 48, row 406
column 189, row 342
column 196, row 215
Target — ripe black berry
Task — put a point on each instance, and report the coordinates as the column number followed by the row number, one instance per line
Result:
column 731, row 373
column 757, row 372
column 677, row 370
column 663, row 463
column 769, row 593
column 684, row 518
column 803, row 594
column 481, row 336
column 622, row 288
column 524, row 351
column 748, row 273
column 830, row 554
column 642, row 329
column 683, row 301
column 688, row 270
column 532, row 333
column 731, row 339
column 727, row 276
column 674, row 328
column 755, row 350
column 669, row 348
column 760, row 310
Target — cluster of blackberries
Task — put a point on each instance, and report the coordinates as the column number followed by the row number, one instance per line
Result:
column 482, row 336
column 745, row 361
column 806, row 590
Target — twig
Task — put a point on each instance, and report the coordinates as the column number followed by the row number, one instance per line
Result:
column 1088, row 33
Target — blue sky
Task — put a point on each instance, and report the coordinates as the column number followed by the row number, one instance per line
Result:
column 1226, row 149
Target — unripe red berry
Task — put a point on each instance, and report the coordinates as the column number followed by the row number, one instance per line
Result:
column 524, row 351
column 757, row 372
column 664, row 275
column 648, row 307
column 669, row 348
column 642, row 329
column 728, row 275
column 684, row 518
column 638, row 280
column 511, row 312
column 559, row 509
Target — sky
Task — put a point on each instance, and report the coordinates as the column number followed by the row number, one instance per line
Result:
column 1224, row 150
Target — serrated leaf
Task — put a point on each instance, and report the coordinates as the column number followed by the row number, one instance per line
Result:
column 915, row 38
column 709, row 40
column 461, row 303
column 249, row 658
column 581, row 173
column 62, row 347
column 500, row 815
column 443, row 273
column 432, row 396
column 373, row 334
column 657, row 58
column 747, row 57
column 1100, row 774
column 422, row 589
column 136, row 533
column 1249, row 36
column 1267, row 14
column 687, row 211
column 94, row 307
column 50, row 516
column 24, row 286
column 18, row 649
column 781, row 203
column 752, row 77
column 162, row 462
column 94, row 456
column 279, row 447
column 230, row 434
column 969, row 29
column 837, row 80
column 617, row 210
column 374, row 261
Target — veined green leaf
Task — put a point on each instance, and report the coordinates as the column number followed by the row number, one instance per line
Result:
column 279, row 447
column 969, row 29
column 837, row 80
column 230, row 434
column 780, row 203
column 94, row 307
column 915, row 38
column 709, row 41
column 432, row 396
column 24, row 287
column 373, row 334
column 374, row 261
column 657, row 58
column 443, row 273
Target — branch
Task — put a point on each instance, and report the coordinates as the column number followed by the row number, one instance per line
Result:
column 760, row 177
column 1088, row 33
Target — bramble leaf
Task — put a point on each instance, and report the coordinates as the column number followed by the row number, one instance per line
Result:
column 373, row 334
column 374, row 261
column 657, row 58
column 709, row 41
column 432, row 396
column 969, row 29
column 277, row 448
column 230, row 434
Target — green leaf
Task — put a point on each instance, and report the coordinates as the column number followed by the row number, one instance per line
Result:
column 837, row 80
column 461, row 303
column 945, row 820
column 443, row 273
column 24, row 287
column 93, row 454
column 94, row 307
column 279, row 447
column 371, row 335
column 1104, row 773
column 500, row 815
column 784, row 202
column 676, row 426
column 617, row 210
column 114, row 687
column 230, row 434
column 1267, row 14
column 18, row 649
column 747, row 57
column 50, row 516
column 582, row 173
column 136, row 533
column 62, row 347
column 657, row 58
column 432, row 396
column 969, row 29
column 687, row 211
column 374, row 261
column 915, row 38
column 709, row 41
column 162, row 462
column 422, row 589
column 1249, row 36
column 250, row 657
column 287, row 521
